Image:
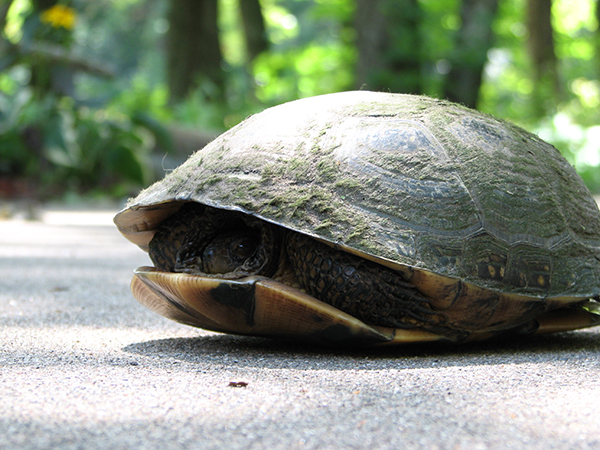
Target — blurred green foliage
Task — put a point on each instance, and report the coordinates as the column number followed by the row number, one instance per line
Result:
column 99, row 135
column 65, row 147
column 570, row 119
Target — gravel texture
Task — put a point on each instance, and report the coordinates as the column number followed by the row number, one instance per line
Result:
column 84, row 366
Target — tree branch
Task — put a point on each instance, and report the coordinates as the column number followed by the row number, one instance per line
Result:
column 55, row 54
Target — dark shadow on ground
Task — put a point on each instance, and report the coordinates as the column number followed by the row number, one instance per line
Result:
column 268, row 353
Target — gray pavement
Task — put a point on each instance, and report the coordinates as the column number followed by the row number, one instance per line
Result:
column 83, row 366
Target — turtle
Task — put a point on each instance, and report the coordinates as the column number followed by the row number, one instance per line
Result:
column 367, row 218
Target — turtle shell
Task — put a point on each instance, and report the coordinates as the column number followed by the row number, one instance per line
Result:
column 406, row 181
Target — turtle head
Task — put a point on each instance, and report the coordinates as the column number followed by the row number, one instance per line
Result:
column 210, row 242
column 226, row 252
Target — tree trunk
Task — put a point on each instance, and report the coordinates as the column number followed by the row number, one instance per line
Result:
column 473, row 41
column 540, row 40
column 193, row 49
column 540, row 44
column 254, row 28
column 388, row 45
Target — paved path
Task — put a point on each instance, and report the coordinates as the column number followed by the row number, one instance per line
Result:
column 83, row 366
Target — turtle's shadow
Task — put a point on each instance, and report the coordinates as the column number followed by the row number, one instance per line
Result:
column 255, row 352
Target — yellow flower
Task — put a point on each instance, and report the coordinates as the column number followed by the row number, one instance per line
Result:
column 59, row 16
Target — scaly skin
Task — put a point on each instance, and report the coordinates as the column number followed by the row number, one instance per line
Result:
column 366, row 290
column 223, row 244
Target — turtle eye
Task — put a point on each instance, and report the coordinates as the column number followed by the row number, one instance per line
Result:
column 243, row 247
